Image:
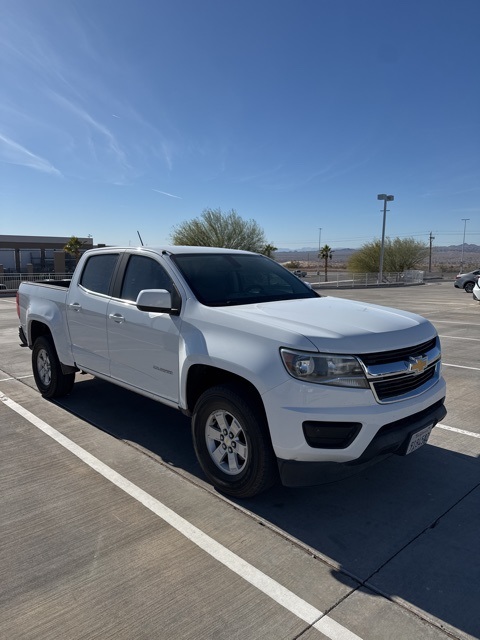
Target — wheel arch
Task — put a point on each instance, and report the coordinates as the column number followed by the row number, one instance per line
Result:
column 202, row 377
column 38, row 329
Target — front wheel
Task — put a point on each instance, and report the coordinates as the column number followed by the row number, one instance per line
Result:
column 47, row 370
column 232, row 443
column 469, row 287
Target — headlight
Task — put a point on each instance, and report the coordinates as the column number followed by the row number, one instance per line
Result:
column 324, row 368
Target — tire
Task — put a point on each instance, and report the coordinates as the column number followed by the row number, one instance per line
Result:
column 47, row 370
column 232, row 443
column 468, row 286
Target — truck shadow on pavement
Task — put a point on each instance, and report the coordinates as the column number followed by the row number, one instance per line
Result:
column 406, row 527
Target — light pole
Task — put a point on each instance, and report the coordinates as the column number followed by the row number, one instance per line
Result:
column 385, row 198
column 463, row 243
column 432, row 238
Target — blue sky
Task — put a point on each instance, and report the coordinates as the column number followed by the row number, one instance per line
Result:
column 126, row 115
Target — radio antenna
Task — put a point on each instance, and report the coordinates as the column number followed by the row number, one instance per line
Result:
column 141, row 241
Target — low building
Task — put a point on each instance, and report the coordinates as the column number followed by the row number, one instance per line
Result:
column 37, row 254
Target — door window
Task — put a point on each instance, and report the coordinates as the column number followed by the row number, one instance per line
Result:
column 143, row 273
column 98, row 272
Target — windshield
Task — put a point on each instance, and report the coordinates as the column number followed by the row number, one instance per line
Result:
column 230, row 279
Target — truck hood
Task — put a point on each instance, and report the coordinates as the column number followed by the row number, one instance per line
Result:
column 338, row 325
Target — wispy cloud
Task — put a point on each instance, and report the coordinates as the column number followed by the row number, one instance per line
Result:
column 170, row 195
column 81, row 113
column 77, row 116
column 12, row 152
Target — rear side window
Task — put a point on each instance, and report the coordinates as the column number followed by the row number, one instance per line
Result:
column 97, row 273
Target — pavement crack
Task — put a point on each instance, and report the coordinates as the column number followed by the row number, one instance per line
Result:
column 426, row 529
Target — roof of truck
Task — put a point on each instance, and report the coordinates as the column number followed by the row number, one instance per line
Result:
column 174, row 249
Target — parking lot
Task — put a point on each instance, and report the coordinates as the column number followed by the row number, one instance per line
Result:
column 108, row 528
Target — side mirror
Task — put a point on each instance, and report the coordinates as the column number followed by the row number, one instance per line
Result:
column 155, row 300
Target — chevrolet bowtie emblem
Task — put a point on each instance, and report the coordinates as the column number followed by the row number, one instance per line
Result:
column 417, row 365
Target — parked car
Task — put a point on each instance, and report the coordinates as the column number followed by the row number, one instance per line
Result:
column 476, row 290
column 299, row 273
column 466, row 281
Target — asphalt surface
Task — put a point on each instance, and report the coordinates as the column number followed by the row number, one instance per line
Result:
column 108, row 528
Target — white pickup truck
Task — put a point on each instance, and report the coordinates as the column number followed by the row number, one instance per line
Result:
column 279, row 381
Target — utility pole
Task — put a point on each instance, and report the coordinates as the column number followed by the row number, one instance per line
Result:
column 319, row 244
column 432, row 238
column 385, row 198
column 465, row 220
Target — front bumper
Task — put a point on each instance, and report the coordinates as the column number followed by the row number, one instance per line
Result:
column 391, row 438
column 290, row 405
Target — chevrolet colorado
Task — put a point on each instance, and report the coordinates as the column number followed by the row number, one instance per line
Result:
column 280, row 382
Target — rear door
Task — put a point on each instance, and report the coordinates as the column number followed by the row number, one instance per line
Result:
column 87, row 313
column 144, row 346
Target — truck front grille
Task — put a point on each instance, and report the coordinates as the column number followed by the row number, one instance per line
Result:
column 395, row 387
column 402, row 373
column 398, row 354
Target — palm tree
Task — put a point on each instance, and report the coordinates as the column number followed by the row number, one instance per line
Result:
column 326, row 254
column 73, row 247
column 268, row 250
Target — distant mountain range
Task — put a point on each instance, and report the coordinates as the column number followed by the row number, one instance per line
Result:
column 449, row 255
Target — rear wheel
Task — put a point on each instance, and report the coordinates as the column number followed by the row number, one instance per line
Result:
column 47, row 370
column 232, row 442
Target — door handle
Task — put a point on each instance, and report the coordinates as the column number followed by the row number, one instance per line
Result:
column 75, row 306
column 116, row 317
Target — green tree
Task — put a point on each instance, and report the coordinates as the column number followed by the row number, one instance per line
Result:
column 326, row 254
column 268, row 250
column 406, row 253
column 217, row 229
column 399, row 254
column 74, row 247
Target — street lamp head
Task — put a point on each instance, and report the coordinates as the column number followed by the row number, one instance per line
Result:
column 383, row 196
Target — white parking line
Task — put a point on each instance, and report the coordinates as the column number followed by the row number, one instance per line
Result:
column 460, row 366
column 280, row 594
column 475, row 324
column 444, row 304
column 465, row 433
column 458, row 338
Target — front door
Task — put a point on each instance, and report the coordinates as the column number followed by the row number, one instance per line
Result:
column 144, row 346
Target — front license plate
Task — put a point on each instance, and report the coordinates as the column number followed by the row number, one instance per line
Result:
column 418, row 439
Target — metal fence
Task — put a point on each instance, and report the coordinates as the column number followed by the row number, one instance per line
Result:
column 9, row 282
column 348, row 280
